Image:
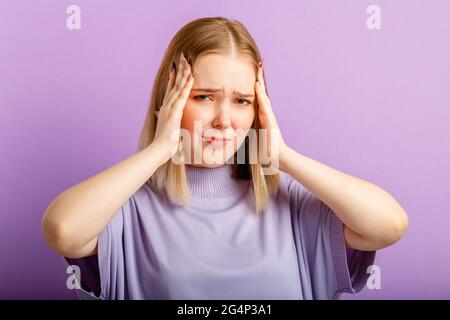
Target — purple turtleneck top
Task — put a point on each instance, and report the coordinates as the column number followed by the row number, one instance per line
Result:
column 216, row 247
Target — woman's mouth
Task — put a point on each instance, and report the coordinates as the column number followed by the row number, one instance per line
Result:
column 216, row 141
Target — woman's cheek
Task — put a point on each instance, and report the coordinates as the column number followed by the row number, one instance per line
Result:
column 190, row 114
column 244, row 119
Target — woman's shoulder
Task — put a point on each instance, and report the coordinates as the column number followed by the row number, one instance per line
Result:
column 292, row 188
column 148, row 193
column 287, row 182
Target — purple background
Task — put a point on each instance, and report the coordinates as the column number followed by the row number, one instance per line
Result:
column 371, row 103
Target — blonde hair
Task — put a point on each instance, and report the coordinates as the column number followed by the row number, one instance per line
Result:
column 200, row 36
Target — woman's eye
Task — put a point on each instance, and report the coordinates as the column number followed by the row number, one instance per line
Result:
column 245, row 102
column 200, row 96
column 203, row 97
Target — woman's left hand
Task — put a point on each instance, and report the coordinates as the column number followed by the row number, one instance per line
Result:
column 268, row 120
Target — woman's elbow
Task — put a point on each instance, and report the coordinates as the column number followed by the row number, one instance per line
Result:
column 53, row 232
column 56, row 231
column 399, row 225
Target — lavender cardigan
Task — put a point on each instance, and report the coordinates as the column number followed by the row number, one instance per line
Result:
column 217, row 248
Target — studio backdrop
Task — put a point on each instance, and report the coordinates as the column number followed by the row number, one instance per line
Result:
column 362, row 86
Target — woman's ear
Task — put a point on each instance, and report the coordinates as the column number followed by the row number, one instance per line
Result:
column 156, row 113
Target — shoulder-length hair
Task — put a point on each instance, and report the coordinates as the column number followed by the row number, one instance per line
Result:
column 200, row 36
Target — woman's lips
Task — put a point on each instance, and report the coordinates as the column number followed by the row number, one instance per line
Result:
column 215, row 141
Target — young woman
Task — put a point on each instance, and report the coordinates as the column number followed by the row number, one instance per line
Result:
column 209, row 226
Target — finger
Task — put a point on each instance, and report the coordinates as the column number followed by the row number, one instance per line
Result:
column 263, row 86
column 259, row 95
column 172, row 101
column 264, row 102
column 170, row 84
column 171, row 81
column 177, row 83
column 260, row 99
column 179, row 71
column 261, row 77
column 181, row 101
column 186, row 73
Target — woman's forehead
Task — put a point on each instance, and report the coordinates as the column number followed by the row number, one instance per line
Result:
column 221, row 74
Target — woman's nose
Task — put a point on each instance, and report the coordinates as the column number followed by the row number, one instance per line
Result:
column 222, row 119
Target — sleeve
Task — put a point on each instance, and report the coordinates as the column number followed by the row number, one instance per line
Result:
column 84, row 277
column 331, row 267
column 100, row 277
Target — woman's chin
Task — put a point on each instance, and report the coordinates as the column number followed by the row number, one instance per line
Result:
column 211, row 156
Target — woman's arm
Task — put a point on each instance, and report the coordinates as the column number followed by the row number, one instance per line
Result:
column 373, row 219
column 76, row 217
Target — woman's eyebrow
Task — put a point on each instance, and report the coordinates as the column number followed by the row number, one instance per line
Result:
column 245, row 95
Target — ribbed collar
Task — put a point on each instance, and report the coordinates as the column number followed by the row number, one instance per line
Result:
column 214, row 182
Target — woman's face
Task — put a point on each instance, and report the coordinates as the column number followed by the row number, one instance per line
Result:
column 220, row 109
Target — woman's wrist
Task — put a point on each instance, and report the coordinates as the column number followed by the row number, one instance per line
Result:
column 160, row 152
column 284, row 157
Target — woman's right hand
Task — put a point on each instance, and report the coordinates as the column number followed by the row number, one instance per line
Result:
column 169, row 115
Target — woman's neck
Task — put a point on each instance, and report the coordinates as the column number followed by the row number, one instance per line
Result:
column 205, row 182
